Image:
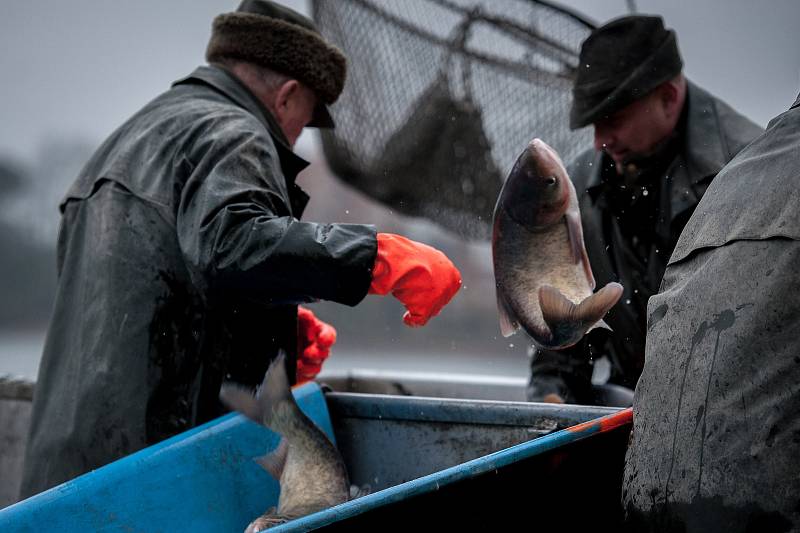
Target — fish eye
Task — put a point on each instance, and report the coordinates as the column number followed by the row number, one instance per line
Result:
column 550, row 180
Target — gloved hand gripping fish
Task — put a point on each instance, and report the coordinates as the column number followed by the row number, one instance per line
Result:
column 542, row 274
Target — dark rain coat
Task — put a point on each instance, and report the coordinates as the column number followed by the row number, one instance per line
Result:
column 716, row 436
column 713, row 133
column 181, row 261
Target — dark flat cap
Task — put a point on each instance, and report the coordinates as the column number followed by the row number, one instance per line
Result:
column 271, row 35
column 620, row 62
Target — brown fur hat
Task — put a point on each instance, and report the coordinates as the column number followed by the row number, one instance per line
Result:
column 276, row 37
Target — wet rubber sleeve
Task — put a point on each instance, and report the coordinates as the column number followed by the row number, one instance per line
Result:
column 238, row 234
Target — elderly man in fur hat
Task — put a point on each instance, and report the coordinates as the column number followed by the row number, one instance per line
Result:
column 182, row 259
column 659, row 140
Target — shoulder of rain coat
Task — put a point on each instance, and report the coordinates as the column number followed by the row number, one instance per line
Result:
column 714, row 134
column 716, row 433
column 181, row 261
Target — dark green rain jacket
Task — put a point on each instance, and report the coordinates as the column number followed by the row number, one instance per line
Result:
column 181, row 263
column 712, row 135
column 716, row 437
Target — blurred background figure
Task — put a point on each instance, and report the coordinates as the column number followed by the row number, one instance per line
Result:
column 659, row 140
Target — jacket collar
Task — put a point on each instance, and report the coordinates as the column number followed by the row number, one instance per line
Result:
column 705, row 151
column 229, row 85
column 703, row 154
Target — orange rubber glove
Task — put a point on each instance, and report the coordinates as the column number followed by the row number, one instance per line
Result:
column 421, row 277
column 314, row 341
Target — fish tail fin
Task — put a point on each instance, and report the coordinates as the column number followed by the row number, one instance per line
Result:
column 594, row 308
column 556, row 308
column 241, row 399
column 601, row 324
column 274, row 389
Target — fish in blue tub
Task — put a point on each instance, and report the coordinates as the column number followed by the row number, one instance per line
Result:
column 310, row 470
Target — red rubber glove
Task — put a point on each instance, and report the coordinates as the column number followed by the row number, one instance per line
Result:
column 421, row 277
column 314, row 341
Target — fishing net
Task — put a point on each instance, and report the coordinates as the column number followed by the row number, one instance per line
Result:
column 442, row 96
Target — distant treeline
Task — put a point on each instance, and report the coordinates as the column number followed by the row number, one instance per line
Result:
column 27, row 266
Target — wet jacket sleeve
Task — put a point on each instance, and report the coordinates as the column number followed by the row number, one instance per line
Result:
column 239, row 237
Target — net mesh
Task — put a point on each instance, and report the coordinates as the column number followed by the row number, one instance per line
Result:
column 442, row 95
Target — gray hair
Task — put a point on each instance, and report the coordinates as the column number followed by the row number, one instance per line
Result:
column 269, row 79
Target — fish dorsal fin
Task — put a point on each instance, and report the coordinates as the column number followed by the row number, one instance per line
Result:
column 578, row 248
column 274, row 461
column 508, row 321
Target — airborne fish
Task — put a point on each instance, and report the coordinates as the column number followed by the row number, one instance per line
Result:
column 542, row 274
column 308, row 466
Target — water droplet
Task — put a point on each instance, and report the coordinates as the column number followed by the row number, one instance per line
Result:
column 346, row 211
column 645, row 192
column 511, row 345
column 628, row 301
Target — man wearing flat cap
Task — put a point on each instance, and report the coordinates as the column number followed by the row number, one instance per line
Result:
column 659, row 140
column 182, row 259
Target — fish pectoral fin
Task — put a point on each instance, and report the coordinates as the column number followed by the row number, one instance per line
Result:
column 508, row 321
column 578, row 248
column 274, row 461
column 594, row 308
column 241, row 399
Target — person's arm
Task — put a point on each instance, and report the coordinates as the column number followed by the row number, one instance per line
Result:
column 239, row 237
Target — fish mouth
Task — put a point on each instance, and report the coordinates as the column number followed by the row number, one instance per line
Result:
column 546, row 158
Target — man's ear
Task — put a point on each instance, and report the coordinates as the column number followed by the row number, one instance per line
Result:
column 283, row 97
column 670, row 97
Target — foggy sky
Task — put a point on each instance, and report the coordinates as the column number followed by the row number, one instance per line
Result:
column 78, row 68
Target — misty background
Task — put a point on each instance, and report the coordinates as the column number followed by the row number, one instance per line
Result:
column 72, row 71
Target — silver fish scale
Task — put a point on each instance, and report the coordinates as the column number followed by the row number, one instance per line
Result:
column 314, row 475
column 525, row 260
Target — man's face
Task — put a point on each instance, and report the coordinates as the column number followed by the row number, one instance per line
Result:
column 294, row 108
column 635, row 130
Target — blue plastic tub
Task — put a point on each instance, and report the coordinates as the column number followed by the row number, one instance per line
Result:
column 465, row 461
